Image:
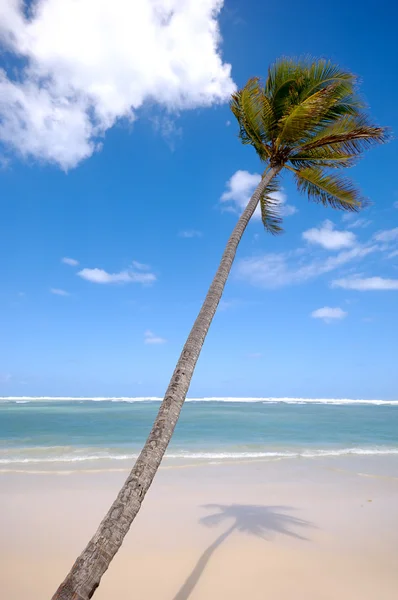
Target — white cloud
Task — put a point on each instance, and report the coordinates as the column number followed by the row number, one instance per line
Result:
column 59, row 292
column 329, row 314
column 140, row 266
column 167, row 127
column 129, row 276
column 240, row 188
column 363, row 284
column 276, row 270
column 328, row 237
column 87, row 64
column 359, row 223
column 190, row 233
column 151, row 338
column 70, row 261
column 388, row 235
column 393, row 254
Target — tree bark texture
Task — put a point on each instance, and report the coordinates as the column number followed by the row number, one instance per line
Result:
column 85, row 575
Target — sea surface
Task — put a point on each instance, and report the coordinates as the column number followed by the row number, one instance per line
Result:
column 89, row 431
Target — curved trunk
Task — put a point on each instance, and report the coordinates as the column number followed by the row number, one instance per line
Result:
column 85, row 575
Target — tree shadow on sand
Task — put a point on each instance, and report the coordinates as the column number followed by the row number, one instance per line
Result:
column 260, row 521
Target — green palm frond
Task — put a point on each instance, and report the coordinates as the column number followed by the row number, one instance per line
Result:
column 307, row 118
column 310, row 115
column 283, row 72
column 333, row 158
column 322, row 72
column 348, row 134
column 254, row 114
column 330, row 190
column 270, row 209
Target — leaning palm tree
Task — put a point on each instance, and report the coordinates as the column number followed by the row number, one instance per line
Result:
column 306, row 119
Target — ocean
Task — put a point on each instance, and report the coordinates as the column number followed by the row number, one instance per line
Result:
column 85, row 432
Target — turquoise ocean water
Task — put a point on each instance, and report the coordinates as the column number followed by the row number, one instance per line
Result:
column 111, row 431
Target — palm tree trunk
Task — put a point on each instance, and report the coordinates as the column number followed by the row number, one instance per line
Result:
column 85, row 575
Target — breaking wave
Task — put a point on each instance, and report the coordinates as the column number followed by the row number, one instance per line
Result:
column 205, row 456
column 338, row 401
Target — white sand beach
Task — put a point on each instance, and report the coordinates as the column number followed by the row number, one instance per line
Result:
column 308, row 530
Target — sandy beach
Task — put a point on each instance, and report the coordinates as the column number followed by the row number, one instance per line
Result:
column 308, row 530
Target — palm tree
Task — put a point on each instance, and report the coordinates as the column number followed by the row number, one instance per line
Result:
column 308, row 120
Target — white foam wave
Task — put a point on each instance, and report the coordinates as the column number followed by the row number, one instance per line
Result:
column 207, row 456
column 338, row 401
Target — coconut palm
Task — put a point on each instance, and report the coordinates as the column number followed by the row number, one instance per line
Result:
column 306, row 119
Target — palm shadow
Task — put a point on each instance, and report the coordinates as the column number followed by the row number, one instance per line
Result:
column 260, row 521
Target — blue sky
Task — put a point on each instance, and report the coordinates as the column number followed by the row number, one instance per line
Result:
column 141, row 199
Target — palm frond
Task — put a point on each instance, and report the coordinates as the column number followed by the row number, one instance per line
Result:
column 322, row 72
column 282, row 72
column 323, row 157
column 350, row 134
column 270, row 209
column 329, row 190
column 310, row 115
column 254, row 114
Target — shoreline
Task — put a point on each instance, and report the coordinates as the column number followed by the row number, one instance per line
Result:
column 384, row 464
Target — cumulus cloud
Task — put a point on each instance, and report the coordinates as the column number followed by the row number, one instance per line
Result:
column 137, row 275
column 328, row 237
column 151, row 338
column 388, row 235
column 240, row 188
column 59, row 292
column 275, row 270
column 363, row 284
column 190, row 233
column 328, row 314
column 70, row 261
column 81, row 66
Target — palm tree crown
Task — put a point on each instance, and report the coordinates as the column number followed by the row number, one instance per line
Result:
column 307, row 118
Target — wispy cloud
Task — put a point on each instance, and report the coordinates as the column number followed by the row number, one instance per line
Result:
column 328, row 237
column 359, row 223
column 70, row 261
column 276, row 270
column 387, row 235
column 151, row 338
column 5, row 377
column 363, row 284
column 140, row 266
column 395, row 205
column 137, row 275
column 168, row 128
column 240, row 188
column 59, row 292
column 329, row 314
column 190, row 233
